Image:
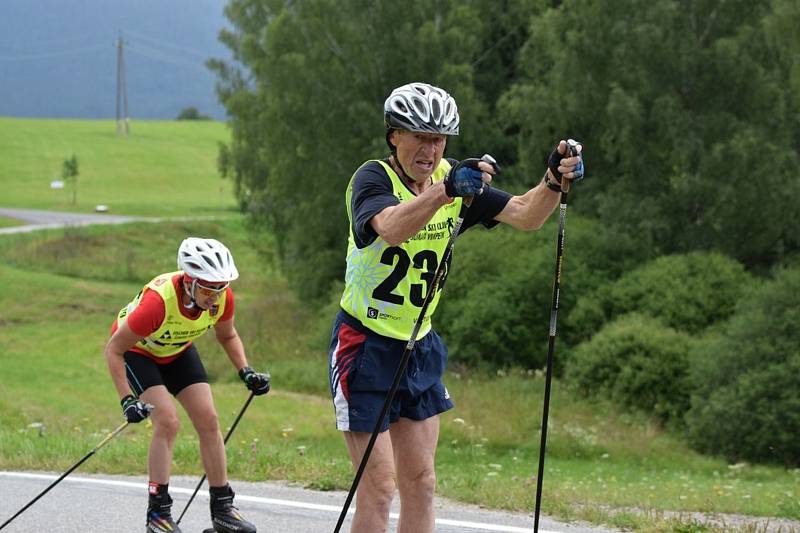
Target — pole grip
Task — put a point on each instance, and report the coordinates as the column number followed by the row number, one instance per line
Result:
column 572, row 151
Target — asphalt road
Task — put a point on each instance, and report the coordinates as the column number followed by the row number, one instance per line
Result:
column 36, row 219
column 89, row 503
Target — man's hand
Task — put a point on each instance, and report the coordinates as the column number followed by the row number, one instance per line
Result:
column 257, row 382
column 565, row 162
column 134, row 409
column 467, row 177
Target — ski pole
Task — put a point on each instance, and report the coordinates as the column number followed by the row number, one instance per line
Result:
column 571, row 152
column 401, row 367
column 225, row 441
column 68, row 472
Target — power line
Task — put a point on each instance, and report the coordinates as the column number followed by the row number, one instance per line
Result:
column 161, row 43
column 159, row 55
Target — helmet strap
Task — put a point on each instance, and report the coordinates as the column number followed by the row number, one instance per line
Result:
column 190, row 293
column 392, row 148
column 396, row 164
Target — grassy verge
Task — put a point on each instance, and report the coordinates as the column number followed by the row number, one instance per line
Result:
column 163, row 169
column 6, row 222
column 57, row 401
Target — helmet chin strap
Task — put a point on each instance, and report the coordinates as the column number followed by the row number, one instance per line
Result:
column 403, row 173
column 393, row 155
column 190, row 293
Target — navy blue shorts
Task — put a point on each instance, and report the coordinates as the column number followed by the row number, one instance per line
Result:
column 361, row 368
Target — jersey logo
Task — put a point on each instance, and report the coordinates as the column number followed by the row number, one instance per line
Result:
column 159, row 282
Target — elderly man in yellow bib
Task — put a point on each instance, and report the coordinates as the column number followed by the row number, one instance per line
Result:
column 403, row 210
column 151, row 358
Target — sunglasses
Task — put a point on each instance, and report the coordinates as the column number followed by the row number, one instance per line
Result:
column 206, row 290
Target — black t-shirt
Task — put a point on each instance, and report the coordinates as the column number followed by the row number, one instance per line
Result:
column 372, row 193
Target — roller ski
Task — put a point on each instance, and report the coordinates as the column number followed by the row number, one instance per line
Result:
column 225, row 518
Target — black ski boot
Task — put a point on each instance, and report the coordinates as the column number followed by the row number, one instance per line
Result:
column 224, row 516
column 159, row 515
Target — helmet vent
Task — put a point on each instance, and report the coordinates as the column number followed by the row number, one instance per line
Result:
column 206, row 259
column 420, row 107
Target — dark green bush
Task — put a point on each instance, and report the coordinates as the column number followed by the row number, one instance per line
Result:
column 637, row 362
column 492, row 310
column 746, row 399
column 495, row 308
column 687, row 292
column 191, row 113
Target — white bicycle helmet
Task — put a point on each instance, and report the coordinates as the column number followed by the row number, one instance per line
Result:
column 207, row 260
column 421, row 107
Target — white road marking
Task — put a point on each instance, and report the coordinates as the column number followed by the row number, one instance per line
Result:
column 271, row 501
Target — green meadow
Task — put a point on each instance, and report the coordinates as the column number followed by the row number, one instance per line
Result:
column 162, row 169
column 6, row 222
column 62, row 289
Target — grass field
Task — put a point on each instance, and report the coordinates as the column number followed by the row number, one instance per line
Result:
column 54, row 374
column 63, row 288
column 164, row 168
column 6, row 222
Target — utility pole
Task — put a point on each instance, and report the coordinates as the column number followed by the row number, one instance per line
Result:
column 122, row 90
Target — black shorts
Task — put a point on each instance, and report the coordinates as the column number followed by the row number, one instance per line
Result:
column 185, row 370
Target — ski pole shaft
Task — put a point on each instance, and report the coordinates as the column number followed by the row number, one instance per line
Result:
column 68, row 472
column 551, row 346
column 225, row 441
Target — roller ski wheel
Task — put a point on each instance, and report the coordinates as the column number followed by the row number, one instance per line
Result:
column 209, row 530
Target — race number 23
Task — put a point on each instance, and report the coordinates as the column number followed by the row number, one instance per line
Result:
column 425, row 260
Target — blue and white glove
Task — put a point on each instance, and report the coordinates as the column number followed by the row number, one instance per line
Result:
column 466, row 177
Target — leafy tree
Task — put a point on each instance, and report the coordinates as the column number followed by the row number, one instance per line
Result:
column 69, row 173
column 305, row 95
column 687, row 113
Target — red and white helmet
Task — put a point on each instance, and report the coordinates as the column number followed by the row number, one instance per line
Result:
column 421, row 107
column 207, row 260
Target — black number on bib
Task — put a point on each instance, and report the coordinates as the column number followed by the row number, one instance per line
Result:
column 425, row 260
column 384, row 290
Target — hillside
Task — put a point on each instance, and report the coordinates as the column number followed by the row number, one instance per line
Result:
column 165, row 168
